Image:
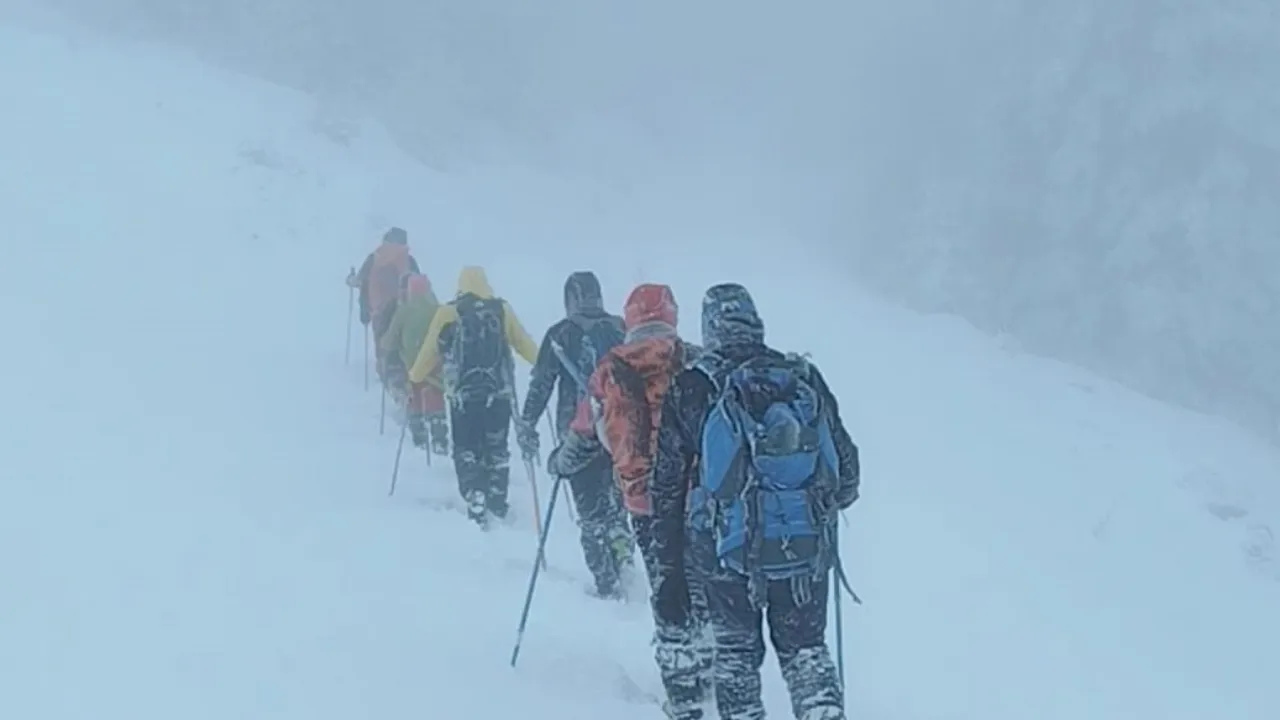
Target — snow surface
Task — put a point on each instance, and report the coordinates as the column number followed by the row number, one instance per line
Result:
column 196, row 522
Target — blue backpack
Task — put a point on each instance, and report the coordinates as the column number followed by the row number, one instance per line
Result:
column 768, row 470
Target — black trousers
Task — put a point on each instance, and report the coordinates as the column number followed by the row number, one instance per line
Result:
column 481, row 426
column 605, row 537
column 797, row 632
column 682, row 656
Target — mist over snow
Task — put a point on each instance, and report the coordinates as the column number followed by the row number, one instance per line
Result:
column 1092, row 178
column 195, row 520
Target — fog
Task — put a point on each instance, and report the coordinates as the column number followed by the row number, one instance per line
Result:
column 1093, row 180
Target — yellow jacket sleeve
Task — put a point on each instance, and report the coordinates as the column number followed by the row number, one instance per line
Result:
column 429, row 354
column 517, row 337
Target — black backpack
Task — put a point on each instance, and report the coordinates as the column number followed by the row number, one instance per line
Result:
column 479, row 352
column 593, row 338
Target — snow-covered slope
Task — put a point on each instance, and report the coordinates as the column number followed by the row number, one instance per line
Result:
column 196, row 522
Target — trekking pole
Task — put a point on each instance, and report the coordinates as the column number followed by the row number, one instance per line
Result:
column 430, row 431
column 366, row 358
column 395, row 470
column 538, row 525
column 573, row 514
column 528, row 463
column 538, row 564
column 382, row 419
column 842, row 585
column 351, row 305
column 839, row 614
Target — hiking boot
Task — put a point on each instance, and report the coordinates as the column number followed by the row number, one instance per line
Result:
column 439, row 431
column 605, row 591
column 824, row 712
column 440, row 445
column 476, row 510
column 682, row 712
column 418, row 429
column 496, row 504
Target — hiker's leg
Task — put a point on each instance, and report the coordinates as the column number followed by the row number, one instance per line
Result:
column 673, row 650
column 381, row 319
column 438, row 426
column 798, row 631
column 700, row 562
column 436, row 419
column 596, row 518
column 622, row 541
column 467, row 420
column 416, row 417
column 496, row 457
column 739, row 646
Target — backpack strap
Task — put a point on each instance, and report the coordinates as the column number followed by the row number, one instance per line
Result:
column 585, row 325
column 574, row 371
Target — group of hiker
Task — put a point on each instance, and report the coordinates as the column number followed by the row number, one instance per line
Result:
column 725, row 462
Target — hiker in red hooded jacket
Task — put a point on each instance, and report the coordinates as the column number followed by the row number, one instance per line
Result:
column 621, row 416
column 378, row 280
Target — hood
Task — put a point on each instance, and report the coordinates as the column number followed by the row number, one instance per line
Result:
column 417, row 286
column 650, row 302
column 396, row 236
column 729, row 317
column 649, row 331
column 473, row 280
column 582, row 294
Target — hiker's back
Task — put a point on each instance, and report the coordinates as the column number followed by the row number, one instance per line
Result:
column 478, row 358
column 638, row 376
column 768, row 469
column 390, row 263
column 587, row 340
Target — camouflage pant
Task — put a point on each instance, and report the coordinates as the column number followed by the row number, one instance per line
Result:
column 797, row 631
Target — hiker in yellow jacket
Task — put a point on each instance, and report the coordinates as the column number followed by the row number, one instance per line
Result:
column 472, row 338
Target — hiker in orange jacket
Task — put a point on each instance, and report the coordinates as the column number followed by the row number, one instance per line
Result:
column 379, row 281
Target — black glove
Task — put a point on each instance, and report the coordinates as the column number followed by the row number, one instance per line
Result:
column 671, row 598
column 527, row 439
column 553, row 462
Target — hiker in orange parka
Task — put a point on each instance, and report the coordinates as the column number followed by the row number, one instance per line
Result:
column 621, row 415
column 379, row 281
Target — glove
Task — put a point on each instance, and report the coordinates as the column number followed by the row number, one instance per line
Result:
column 527, row 439
column 671, row 602
column 553, row 462
column 352, row 281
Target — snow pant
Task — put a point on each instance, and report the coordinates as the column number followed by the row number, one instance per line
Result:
column 700, row 562
column 683, row 661
column 797, row 631
column 481, row 426
column 428, row 421
column 606, row 538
